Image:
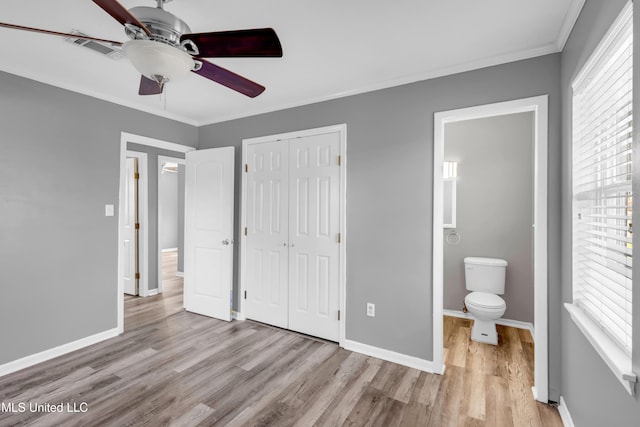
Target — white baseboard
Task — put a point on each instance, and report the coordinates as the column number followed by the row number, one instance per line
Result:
column 504, row 322
column 180, row 273
column 564, row 413
column 170, row 250
column 152, row 292
column 237, row 315
column 43, row 356
column 389, row 356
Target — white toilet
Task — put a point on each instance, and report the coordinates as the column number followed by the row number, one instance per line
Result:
column 485, row 278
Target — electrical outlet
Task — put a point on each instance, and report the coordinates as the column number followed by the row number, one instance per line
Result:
column 371, row 309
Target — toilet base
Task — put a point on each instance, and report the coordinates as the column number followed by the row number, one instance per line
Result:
column 484, row 331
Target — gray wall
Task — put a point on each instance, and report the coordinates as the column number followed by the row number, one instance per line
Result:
column 168, row 210
column 152, row 172
column 60, row 165
column 593, row 395
column 494, row 206
column 389, row 191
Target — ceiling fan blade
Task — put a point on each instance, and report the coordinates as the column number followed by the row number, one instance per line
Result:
column 229, row 79
column 56, row 33
column 149, row 87
column 120, row 14
column 259, row 42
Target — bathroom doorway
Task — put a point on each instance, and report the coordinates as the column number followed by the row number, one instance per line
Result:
column 491, row 234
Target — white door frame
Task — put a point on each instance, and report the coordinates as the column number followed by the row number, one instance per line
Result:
column 143, row 220
column 342, row 130
column 161, row 160
column 125, row 138
column 539, row 106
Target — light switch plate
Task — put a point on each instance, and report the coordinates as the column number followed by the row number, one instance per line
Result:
column 109, row 210
column 371, row 309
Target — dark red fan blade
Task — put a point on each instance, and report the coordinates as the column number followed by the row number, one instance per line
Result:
column 260, row 42
column 149, row 87
column 120, row 14
column 229, row 79
column 56, row 33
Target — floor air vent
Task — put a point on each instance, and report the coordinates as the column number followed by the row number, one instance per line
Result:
column 112, row 52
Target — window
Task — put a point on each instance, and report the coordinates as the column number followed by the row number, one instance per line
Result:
column 602, row 195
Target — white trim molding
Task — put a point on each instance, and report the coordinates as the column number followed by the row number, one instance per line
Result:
column 568, row 23
column 619, row 363
column 63, row 349
column 390, row 356
column 539, row 106
column 565, row 416
column 143, row 219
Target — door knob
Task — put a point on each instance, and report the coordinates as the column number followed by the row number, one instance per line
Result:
column 226, row 242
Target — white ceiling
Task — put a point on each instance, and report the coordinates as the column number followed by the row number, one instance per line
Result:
column 332, row 48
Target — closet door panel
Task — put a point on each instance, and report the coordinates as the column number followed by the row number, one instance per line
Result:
column 267, row 233
column 314, row 216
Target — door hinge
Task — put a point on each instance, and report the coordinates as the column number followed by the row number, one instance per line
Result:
column 245, row 294
column 136, row 175
column 137, row 226
column 246, row 167
column 338, row 314
column 245, row 231
column 339, row 238
column 339, row 160
column 137, row 276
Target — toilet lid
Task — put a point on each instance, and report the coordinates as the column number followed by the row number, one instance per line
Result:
column 484, row 300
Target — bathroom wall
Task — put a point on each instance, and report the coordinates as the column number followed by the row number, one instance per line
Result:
column 494, row 206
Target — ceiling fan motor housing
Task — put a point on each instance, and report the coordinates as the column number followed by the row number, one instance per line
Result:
column 165, row 27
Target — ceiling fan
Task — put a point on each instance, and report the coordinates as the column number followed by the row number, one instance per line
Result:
column 162, row 47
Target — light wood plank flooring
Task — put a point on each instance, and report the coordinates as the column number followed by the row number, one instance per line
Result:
column 175, row 368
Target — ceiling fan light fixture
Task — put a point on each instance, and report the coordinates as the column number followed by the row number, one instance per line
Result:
column 158, row 61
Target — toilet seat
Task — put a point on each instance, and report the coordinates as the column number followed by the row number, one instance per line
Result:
column 485, row 300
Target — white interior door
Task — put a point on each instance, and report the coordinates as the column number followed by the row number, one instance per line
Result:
column 267, row 226
column 314, row 242
column 292, row 257
column 208, row 281
column 129, row 240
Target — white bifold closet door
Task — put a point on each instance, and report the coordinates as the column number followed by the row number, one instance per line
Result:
column 293, row 226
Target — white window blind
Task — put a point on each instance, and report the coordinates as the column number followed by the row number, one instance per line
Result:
column 602, row 201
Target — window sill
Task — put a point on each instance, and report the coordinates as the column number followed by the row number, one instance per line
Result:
column 615, row 358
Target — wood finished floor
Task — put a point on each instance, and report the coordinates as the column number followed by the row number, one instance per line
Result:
column 175, row 368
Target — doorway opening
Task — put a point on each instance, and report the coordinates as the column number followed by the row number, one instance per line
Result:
column 147, row 233
column 171, row 173
column 539, row 107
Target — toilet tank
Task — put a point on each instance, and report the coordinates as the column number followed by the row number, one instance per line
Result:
column 485, row 274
